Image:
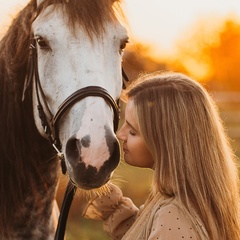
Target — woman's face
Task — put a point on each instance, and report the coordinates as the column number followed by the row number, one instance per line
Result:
column 135, row 150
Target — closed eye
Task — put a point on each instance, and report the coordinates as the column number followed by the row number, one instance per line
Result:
column 43, row 44
column 131, row 132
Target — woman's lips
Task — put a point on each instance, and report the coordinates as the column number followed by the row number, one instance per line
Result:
column 125, row 150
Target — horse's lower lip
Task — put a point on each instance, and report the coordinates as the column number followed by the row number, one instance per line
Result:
column 83, row 186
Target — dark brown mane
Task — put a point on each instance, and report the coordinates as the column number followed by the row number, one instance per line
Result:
column 24, row 153
column 22, row 148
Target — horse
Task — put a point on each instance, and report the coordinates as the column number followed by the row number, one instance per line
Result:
column 60, row 79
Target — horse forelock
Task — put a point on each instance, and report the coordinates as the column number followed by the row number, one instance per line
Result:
column 91, row 15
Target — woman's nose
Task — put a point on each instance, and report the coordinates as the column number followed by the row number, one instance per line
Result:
column 120, row 134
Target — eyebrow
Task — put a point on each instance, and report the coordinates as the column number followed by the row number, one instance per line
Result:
column 128, row 123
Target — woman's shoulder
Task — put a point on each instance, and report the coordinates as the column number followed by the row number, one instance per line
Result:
column 169, row 209
column 170, row 220
column 166, row 205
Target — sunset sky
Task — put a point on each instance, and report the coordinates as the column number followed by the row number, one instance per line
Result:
column 156, row 22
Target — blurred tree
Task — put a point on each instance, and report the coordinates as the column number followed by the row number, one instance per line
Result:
column 137, row 59
column 225, row 59
column 212, row 56
column 207, row 54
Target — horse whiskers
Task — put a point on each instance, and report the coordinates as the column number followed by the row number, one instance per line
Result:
column 97, row 192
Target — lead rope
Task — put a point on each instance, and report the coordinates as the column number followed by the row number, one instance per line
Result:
column 62, row 220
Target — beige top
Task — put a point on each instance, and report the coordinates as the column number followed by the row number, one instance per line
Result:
column 161, row 219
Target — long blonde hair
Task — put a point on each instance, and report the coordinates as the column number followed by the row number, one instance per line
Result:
column 194, row 162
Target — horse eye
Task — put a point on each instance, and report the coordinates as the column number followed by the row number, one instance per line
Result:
column 123, row 45
column 42, row 43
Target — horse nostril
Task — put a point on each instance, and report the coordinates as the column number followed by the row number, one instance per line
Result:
column 73, row 149
column 85, row 141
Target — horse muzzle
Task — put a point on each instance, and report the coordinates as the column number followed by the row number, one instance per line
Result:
column 90, row 168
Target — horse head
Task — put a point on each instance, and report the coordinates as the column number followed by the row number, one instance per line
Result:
column 87, row 54
column 65, row 90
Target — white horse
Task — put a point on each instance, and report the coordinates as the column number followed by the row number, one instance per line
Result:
column 74, row 45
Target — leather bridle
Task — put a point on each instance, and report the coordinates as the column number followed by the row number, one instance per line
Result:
column 50, row 122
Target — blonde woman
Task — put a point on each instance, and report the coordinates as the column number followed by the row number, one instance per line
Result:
column 172, row 126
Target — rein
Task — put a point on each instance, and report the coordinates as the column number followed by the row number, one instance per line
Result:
column 50, row 122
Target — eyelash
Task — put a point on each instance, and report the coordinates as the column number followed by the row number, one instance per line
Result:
column 43, row 44
column 123, row 45
column 132, row 133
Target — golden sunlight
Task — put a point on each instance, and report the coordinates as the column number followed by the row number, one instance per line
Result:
column 154, row 22
column 185, row 35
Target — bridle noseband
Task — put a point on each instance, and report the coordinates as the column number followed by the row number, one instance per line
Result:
column 50, row 122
